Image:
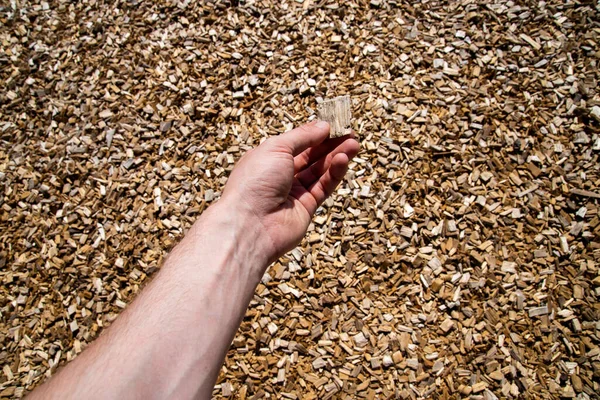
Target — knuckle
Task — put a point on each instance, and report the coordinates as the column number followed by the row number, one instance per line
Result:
column 278, row 145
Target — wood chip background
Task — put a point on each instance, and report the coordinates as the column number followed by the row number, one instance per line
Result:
column 458, row 259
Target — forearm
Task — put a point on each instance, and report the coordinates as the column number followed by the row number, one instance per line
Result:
column 170, row 343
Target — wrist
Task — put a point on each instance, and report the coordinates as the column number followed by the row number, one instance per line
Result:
column 224, row 231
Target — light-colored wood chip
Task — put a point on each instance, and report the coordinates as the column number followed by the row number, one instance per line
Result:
column 338, row 112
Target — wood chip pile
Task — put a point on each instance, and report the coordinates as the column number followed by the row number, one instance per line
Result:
column 459, row 259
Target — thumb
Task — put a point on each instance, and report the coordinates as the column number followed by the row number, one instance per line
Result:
column 305, row 136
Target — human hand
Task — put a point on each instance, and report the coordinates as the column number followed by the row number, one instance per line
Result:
column 280, row 184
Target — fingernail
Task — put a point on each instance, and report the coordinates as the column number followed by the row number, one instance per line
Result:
column 322, row 125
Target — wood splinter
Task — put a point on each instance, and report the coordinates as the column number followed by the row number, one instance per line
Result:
column 338, row 113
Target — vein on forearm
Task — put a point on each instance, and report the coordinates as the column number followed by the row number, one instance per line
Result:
column 214, row 272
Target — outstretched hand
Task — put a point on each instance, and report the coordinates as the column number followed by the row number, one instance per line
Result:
column 281, row 183
column 265, row 210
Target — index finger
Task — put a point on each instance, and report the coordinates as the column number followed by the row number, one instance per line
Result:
column 312, row 154
column 305, row 136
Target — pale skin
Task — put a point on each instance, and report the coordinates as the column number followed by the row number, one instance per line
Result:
column 171, row 341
